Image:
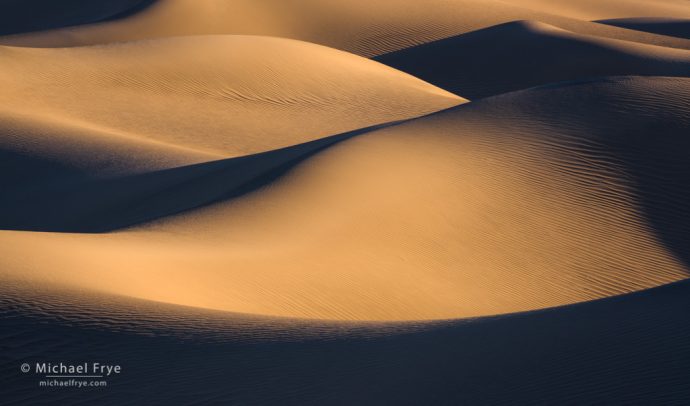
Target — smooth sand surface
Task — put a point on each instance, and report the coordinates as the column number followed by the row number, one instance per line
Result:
column 497, row 206
column 595, row 9
column 366, row 28
column 214, row 95
column 252, row 202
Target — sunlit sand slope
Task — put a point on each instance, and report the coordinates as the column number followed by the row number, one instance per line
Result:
column 530, row 54
column 364, row 27
column 532, row 199
column 596, row 9
column 212, row 95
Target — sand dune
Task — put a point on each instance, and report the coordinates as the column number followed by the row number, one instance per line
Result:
column 229, row 200
column 88, row 196
column 496, row 206
column 675, row 27
column 366, row 28
column 628, row 350
column 222, row 95
column 595, row 9
column 77, row 120
column 530, row 54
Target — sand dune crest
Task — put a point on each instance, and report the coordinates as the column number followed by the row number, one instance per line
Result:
column 530, row 54
column 229, row 95
column 367, row 28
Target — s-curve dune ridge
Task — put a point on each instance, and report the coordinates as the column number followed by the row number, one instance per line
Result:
column 367, row 28
column 497, row 206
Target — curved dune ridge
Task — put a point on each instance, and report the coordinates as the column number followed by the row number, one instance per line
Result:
column 531, row 54
column 595, row 9
column 166, row 102
column 537, row 198
column 366, row 28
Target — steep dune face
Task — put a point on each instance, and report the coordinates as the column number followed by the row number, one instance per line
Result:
column 223, row 95
column 89, row 196
column 366, row 28
column 537, row 198
column 675, row 27
column 530, row 54
column 33, row 15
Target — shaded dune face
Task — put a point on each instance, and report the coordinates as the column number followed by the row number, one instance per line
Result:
column 532, row 199
column 73, row 199
column 366, row 28
column 528, row 54
column 34, row 15
column 674, row 27
column 591, row 341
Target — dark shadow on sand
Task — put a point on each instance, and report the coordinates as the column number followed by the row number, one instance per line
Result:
column 631, row 349
column 40, row 196
column 21, row 16
column 515, row 56
column 672, row 27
